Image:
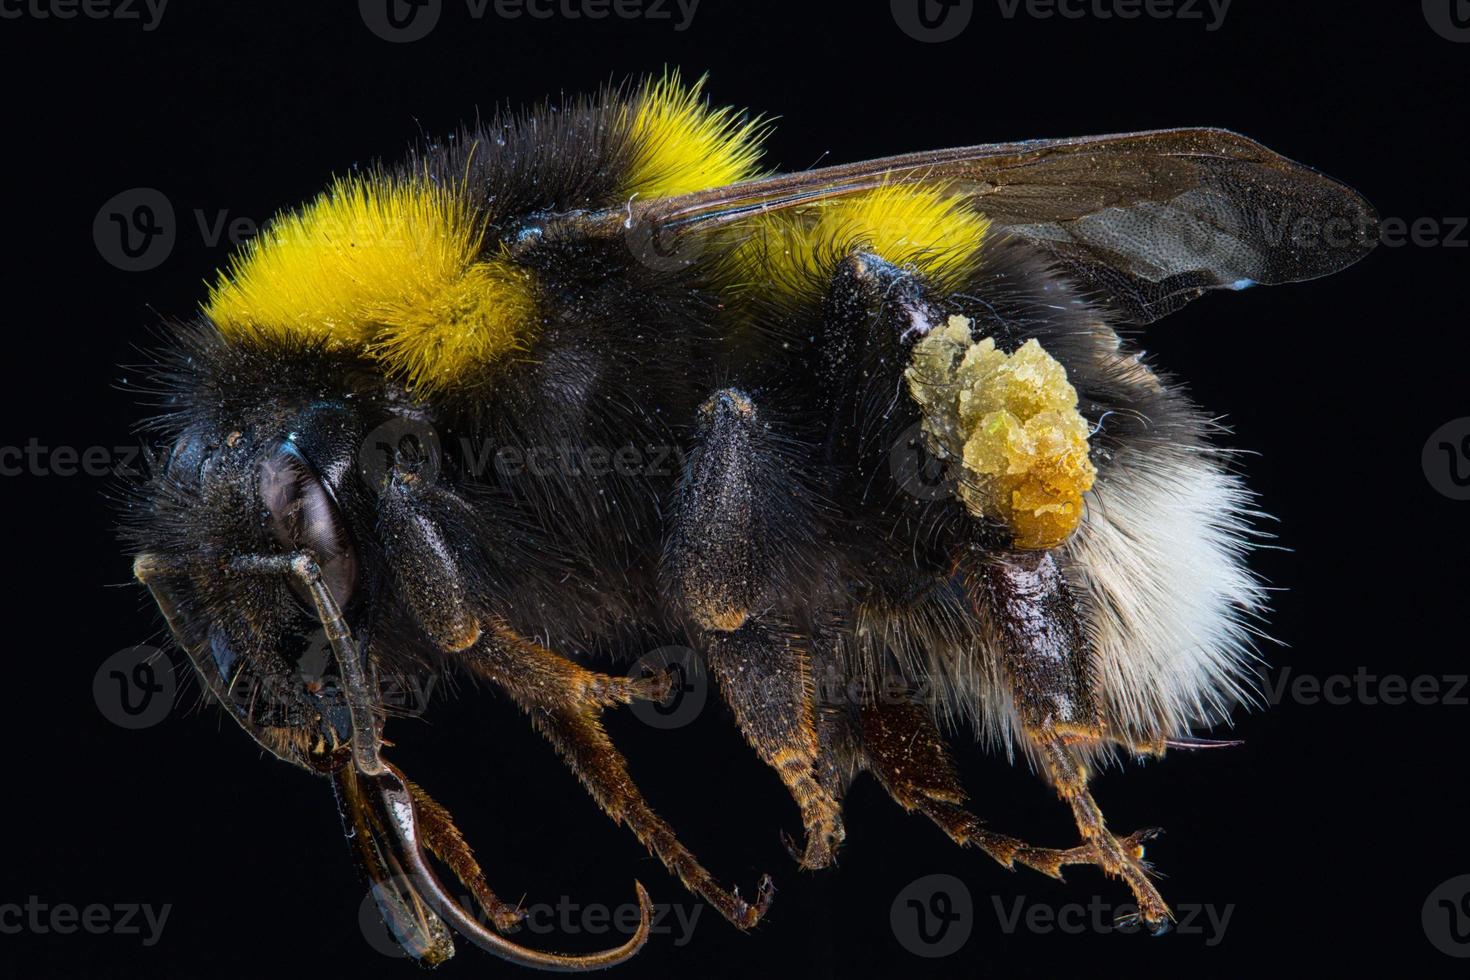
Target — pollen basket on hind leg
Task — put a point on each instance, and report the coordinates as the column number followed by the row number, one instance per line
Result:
column 1012, row 421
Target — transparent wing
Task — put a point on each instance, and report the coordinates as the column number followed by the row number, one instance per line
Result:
column 1148, row 220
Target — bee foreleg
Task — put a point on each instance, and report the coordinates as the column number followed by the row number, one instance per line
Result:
column 564, row 701
column 414, row 521
column 444, row 840
column 424, row 527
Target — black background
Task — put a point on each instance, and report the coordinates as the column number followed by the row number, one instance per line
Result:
column 1324, row 834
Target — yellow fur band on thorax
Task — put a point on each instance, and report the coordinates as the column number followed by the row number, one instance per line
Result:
column 388, row 267
column 392, row 267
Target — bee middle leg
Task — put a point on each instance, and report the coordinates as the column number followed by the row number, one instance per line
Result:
column 764, row 674
column 738, row 517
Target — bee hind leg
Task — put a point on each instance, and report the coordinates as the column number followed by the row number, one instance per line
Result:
column 1042, row 644
column 901, row 747
column 1118, row 857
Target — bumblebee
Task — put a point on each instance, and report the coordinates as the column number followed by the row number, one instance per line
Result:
column 919, row 482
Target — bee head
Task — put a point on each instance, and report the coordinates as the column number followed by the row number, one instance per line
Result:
column 289, row 478
column 234, row 499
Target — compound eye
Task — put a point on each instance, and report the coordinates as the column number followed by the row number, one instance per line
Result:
column 302, row 516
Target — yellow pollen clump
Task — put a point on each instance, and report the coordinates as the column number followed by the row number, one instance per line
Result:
column 1012, row 421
